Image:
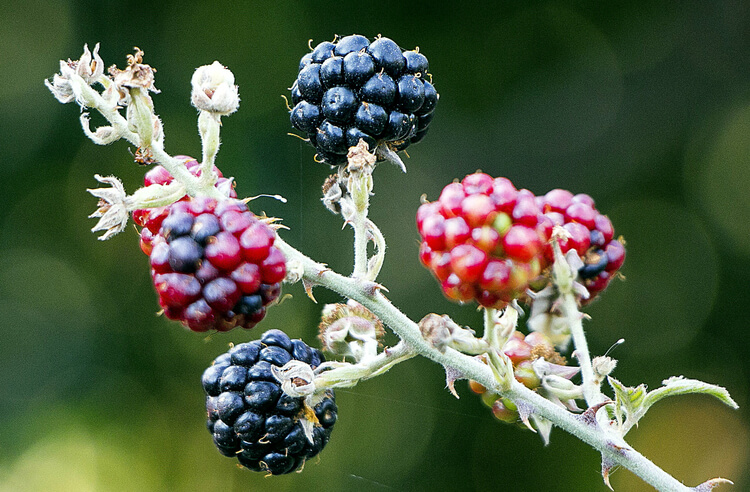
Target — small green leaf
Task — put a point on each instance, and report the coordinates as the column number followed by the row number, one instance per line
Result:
column 678, row 385
column 632, row 403
column 628, row 400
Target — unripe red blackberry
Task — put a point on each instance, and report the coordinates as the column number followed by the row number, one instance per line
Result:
column 483, row 239
column 249, row 415
column 354, row 89
column 214, row 265
column 592, row 236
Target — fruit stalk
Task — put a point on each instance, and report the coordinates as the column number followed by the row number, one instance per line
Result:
column 345, row 375
column 568, row 305
column 209, row 127
column 361, row 199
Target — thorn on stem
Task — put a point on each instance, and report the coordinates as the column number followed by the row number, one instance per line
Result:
column 607, row 467
column 708, row 485
column 589, row 416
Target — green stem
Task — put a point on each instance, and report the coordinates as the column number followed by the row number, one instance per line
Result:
column 361, row 198
column 209, row 126
column 615, row 449
column 591, row 389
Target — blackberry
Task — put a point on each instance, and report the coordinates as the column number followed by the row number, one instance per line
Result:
column 353, row 88
column 213, row 264
column 483, row 240
column 249, row 415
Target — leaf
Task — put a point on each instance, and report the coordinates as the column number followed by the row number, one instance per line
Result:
column 627, row 402
column 632, row 403
column 678, row 385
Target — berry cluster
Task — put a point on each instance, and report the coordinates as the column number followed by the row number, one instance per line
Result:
column 213, row 264
column 483, row 239
column 250, row 416
column 355, row 89
column 522, row 351
column 591, row 235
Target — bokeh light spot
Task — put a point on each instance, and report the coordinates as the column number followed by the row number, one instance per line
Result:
column 720, row 177
column 671, row 272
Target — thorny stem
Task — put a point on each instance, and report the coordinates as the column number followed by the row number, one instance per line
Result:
column 613, row 448
column 362, row 288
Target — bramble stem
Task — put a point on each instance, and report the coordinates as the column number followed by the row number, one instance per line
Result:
column 362, row 288
column 613, row 448
column 591, row 389
column 361, row 198
column 564, row 278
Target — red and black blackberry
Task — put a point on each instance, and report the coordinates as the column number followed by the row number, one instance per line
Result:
column 355, row 89
column 249, row 415
column 213, row 263
column 592, row 236
column 483, row 239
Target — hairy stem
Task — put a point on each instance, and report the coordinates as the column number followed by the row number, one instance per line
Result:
column 361, row 198
column 615, row 449
column 591, row 389
column 209, row 126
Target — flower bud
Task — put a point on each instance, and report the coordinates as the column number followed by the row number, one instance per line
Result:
column 214, row 90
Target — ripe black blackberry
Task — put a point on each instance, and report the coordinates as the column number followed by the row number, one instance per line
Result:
column 355, row 89
column 250, row 416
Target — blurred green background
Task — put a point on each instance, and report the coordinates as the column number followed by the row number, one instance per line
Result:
column 644, row 105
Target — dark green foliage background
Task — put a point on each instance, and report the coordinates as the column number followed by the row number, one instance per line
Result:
column 644, row 105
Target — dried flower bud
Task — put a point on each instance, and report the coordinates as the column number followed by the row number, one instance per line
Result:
column 112, row 209
column 603, row 366
column 135, row 75
column 89, row 67
column 214, row 90
column 442, row 332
